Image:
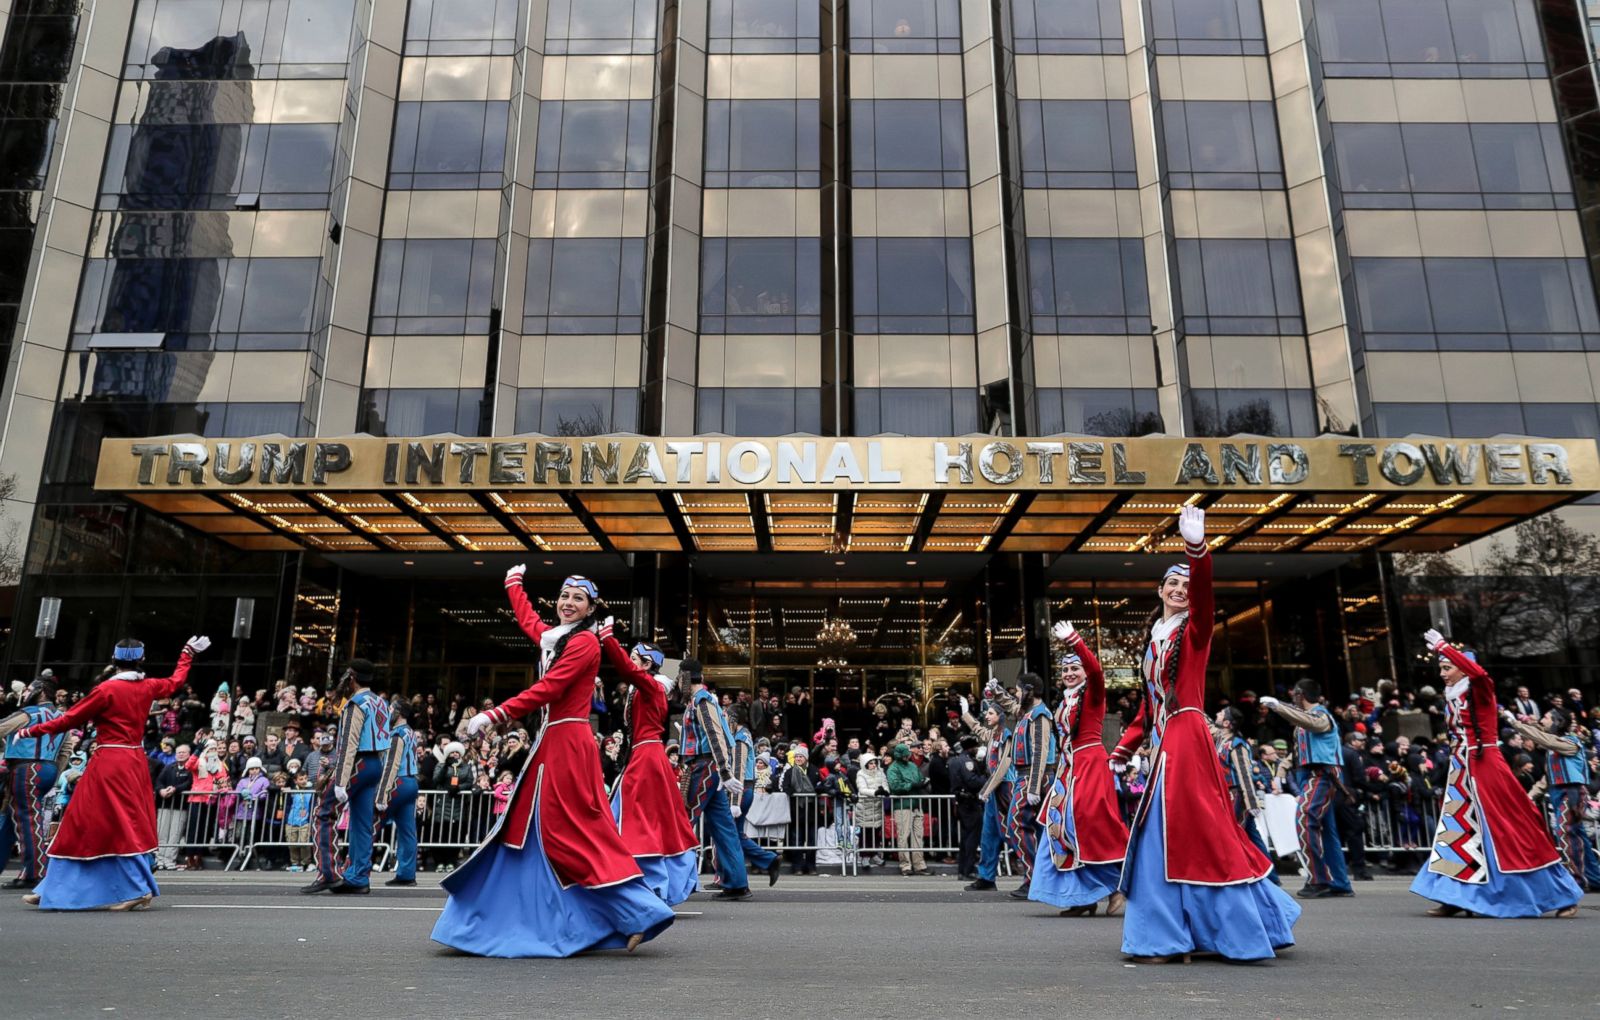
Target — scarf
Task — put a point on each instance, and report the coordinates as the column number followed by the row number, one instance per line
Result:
column 547, row 643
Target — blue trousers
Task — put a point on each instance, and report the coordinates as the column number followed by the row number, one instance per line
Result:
column 762, row 857
column 1319, row 835
column 402, row 811
column 363, row 791
column 1577, row 852
column 31, row 782
column 708, row 800
column 324, row 829
column 996, row 813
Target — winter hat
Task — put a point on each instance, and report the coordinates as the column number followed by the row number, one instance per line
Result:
column 454, row 747
column 253, row 763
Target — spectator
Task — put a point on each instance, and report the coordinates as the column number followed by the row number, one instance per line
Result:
column 871, row 786
column 456, row 776
column 250, row 803
column 297, row 819
column 171, row 784
column 795, row 780
column 906, row 782
column 208, row 772
column 273, row 757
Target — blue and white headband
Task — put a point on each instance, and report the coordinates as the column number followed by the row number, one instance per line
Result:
column 1071, row 660
column 579, row 581
column 1176, row 570
column 650, row 652
column 131, row 654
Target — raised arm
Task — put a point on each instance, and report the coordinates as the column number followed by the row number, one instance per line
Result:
column 1094, row 695
column 1202, row 601
column 1461, row 660
column 1541, row 737
column 171, row 685
column 527, row 617
column 629, row 670
column 578, row 664
column 1316, row 722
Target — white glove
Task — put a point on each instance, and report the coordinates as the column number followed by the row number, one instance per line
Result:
column 1192, row 525
column 983, row 796
column 735, row 809
column 1118, row 766
column 341, row 794
column 607, row 626
column 1033, row 800
column 966, row 706
column 1257, row 812
column 514, row 575
column 196, row 645
column 478, row 723
column 992, row 686
column 1269, row 700
column 17, row 687
column 1063, row 631
column 1433, row 639
column 735, row 787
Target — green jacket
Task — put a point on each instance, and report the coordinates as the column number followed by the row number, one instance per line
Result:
column 904, row 777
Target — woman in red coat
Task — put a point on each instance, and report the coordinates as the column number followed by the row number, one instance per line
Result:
column 1492, row 854
column 100, row 857
column 647, row 803
column 1206, row 889
column 552, row 878
column 1080, row 859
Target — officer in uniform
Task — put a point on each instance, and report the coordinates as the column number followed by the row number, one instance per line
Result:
column 397, row 792
column 1034, row 756
column 707, row 745
column 1317, row 761
column 967, row 773
column 33, row 765
column 744, row 767
column 350, row 779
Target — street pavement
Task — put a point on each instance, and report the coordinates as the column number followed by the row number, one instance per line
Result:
column 249, row 946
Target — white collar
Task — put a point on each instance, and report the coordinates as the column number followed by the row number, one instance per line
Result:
column 127, row 674
column 1458, row 689
column 1164, row 628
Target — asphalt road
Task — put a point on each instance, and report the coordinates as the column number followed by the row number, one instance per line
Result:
column 248, row 946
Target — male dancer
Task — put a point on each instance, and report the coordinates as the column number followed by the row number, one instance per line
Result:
column 995, row 730
column 744, row 767
column 1234, row 753
column 707, row 745
column 1317, row 759
column 397, row 792
column 1034, row 756
column 33, row 765
column 1567, row 775
column 351, row 779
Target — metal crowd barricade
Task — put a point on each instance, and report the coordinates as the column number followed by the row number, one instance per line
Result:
column 209, row 824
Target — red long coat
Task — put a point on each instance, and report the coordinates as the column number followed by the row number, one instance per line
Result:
column 654, row 820
column 1203, row 843
column 113, row 808
column 1521, row 841
column 562, row 776
column 1086, row 771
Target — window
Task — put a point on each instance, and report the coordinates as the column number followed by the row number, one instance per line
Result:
column 1486, row 419
column 219, row 39
column 1252, row 412
column 764, row 26
column 1476, row 304
column 1099, row 412
column 429, row 286
column 1197, row 27
column 917, row 412
column 1232, row 287
column 1452, row 166
column 1073, row 143
column 1412, row 419
column 601, row 26
column 1088, row 285
column 913, row 285
column 762, row 143
column 25, row 152
column 462, row 27
column 761, row 285
column 577, row 412
column 1222, row 145
column 1067, row 26
column 448, row 145
column 223, row 304
column 758, row 412
column 908, row 143
column 593, row 144
column 1430, row 38
column 1561, row 421
column 584, row 285
column 421, row 412
column 905, row 26
column 207, row 166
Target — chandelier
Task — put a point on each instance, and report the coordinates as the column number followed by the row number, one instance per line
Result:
column 835, row 638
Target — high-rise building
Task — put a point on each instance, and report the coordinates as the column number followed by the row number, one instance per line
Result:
column 847, row 344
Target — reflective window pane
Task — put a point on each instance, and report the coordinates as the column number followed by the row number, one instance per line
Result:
column 1208, row 26
column 593, row 144
column 1076, row 144
column 905, row 26
column 762, row 143
column 1067, row 26
column 448, row 145
column 600, row 26
column 761, row 285
column 909, row 143
column 1088, row 285
column 764, row 26
column 913, row 285
column 433, row 286
column 584, row 285
column 1221, row 145
column 1239, row 286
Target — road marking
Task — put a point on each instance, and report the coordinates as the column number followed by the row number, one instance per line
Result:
column 319, row 906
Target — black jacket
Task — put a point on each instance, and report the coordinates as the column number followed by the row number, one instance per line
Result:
column 180, row 779
column 966, row 776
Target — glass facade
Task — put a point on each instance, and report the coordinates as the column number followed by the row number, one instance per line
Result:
column 1036, row 217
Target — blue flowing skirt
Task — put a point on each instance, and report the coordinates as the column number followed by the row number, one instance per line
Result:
column 1522, row 894
column 1247, row 921
column 96, row 884
column 1086, row 884
column 674, row 878
column 509, row 903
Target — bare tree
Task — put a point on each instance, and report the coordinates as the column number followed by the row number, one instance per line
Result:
column 10, row 539
column 1545, row 590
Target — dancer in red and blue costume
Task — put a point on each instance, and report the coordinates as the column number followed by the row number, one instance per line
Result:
column 1205, row 889
column 706, row 744
column 553, row 877
column 1492, row 855
column 351, row 782
column 32, row 764
column 397, row 793
column 1080, row 858
column 1318, row 768
column 646, row 803
column 100, row 858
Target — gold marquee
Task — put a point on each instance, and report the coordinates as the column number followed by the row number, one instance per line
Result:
column 805, row 494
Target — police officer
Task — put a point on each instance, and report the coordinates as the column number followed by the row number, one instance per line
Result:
column 397, row 792
column 33, row 766
column 967, row 773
